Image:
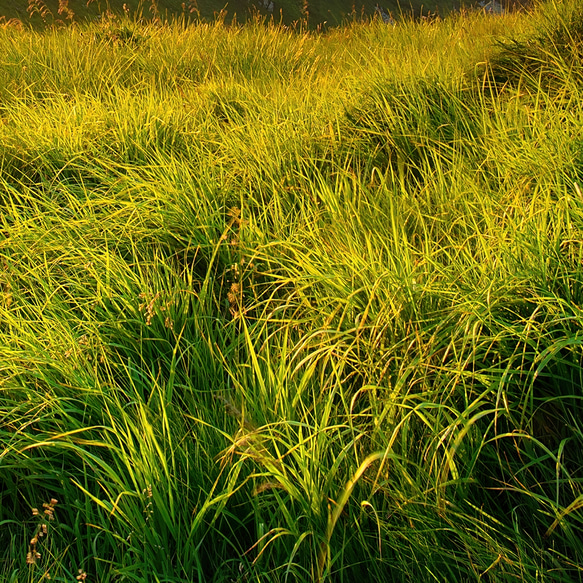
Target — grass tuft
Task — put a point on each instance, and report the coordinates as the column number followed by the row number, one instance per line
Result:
column 283, row 305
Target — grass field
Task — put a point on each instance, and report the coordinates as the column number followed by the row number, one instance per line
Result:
column 314, row 13
column 286, row 306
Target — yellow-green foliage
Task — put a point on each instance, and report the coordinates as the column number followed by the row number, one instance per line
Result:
column 279, row 305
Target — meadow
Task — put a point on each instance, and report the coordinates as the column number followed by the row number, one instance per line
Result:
column 315, row 13
column 287, row 306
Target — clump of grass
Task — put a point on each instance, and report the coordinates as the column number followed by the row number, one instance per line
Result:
column 269, row 314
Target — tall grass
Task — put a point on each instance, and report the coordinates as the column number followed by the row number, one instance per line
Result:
column 286, row 306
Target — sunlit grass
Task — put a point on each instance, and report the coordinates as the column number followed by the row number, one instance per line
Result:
column 286, row 306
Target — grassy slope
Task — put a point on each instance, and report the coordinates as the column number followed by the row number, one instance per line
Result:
column 288, row 307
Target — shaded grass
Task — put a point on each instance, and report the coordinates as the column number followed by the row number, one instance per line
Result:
column 314, row 14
